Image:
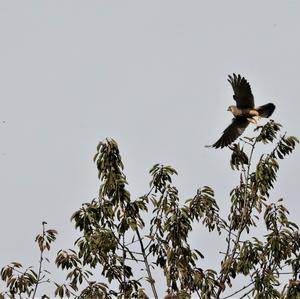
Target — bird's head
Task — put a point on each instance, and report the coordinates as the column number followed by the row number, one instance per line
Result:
column 230, row 108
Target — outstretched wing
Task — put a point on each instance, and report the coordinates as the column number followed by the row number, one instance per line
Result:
column 242, row 91
column 232, row 132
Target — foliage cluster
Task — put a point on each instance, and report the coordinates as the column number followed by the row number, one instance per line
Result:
column 115, row 238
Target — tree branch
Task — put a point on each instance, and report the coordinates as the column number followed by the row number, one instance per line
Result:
column 240, row 290
column 40, row 263
column 147, row 264
column 224, row 276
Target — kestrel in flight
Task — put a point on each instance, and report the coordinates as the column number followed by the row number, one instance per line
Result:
column 244, row 111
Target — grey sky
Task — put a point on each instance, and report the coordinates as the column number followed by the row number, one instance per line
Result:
column 75, row 72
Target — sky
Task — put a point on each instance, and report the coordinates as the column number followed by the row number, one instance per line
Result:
column 150, row 74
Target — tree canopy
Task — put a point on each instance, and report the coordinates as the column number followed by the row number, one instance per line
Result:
column 116, row 237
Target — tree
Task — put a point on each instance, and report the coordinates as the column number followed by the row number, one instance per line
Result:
column 115, row 237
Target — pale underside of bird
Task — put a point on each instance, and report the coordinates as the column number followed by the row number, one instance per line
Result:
column 244, row 112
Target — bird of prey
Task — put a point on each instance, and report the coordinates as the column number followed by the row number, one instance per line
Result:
column 244, row 111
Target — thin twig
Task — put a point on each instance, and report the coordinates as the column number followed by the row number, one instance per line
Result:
column 130, row 243
column 198, row 293
column 131, row 259
column 246, row 294
column 240, row 290
column 38, row 279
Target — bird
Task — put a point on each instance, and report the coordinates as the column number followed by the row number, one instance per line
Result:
column 244, row 111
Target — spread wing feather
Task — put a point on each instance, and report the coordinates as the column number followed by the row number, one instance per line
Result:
column 232, row 132
column 242, row 91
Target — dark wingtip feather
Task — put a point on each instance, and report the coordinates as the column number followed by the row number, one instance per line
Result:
column 220, row 143
column 230, row 79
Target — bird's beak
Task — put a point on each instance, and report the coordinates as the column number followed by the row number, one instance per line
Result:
column 228, row 109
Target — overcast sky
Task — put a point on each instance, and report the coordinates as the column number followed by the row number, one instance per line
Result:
column 145, row 73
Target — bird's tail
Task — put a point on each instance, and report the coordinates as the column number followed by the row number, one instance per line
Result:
column 266, row 110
